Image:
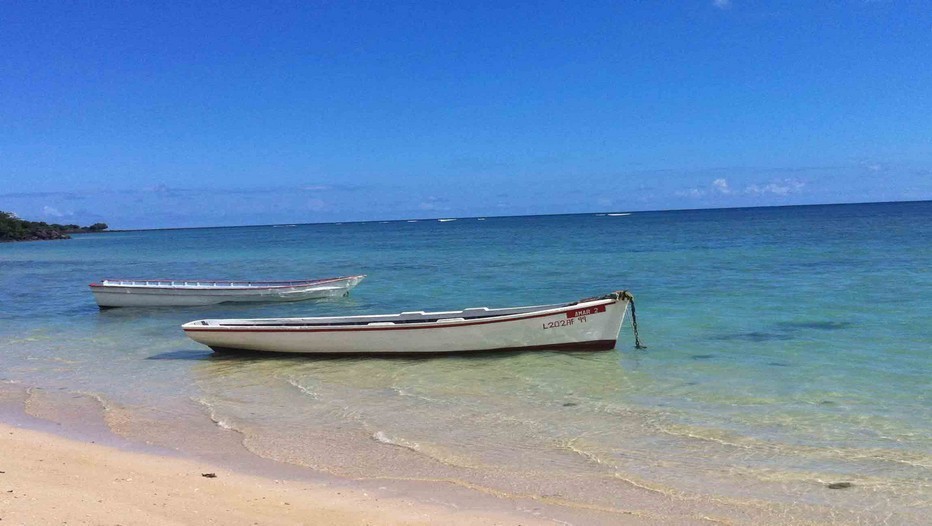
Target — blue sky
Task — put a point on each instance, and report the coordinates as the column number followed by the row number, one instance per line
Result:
column 169, row 114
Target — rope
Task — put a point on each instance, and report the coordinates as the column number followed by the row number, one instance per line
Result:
column 634, row 320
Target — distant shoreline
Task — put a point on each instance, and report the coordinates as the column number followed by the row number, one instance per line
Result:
column 66, row 235
column 14, row 228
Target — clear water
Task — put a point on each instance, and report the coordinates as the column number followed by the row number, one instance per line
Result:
column 788, row 348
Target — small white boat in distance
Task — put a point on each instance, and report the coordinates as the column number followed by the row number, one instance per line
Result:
column 590, row 324
column 167, row 292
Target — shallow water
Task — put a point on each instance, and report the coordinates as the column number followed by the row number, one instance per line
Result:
column 788, row 348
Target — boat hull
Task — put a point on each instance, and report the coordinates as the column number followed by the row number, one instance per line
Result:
column 590, row 325
column 109, row 296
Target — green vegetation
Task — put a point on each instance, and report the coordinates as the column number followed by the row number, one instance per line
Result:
column 13, row 228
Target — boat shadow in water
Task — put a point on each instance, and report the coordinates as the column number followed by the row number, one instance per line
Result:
column 181, row 354
column 755, row 337
column 784, row 330
column 814, row 325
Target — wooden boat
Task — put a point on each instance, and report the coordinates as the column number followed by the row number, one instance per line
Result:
column 589, row 324
column 167, row 292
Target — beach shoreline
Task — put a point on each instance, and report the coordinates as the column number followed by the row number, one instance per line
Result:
column 63, row 464
column 48, row 479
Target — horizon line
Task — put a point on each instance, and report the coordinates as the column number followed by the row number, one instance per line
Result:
column 513, row 216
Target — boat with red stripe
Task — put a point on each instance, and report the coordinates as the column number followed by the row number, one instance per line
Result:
column 587, row 324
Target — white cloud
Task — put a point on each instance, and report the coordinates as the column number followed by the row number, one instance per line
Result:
column 49, row 211
column 316, row 205
column 720, row 187
column 693, row 193
column 782, row 187
column 875, row 167
column 434, row 203
column 722, row 4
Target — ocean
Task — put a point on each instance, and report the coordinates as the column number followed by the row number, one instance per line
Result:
column 786, row 378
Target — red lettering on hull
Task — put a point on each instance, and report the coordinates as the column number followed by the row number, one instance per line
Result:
column 585, row 312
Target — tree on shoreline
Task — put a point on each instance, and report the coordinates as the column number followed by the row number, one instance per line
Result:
column 13, row 228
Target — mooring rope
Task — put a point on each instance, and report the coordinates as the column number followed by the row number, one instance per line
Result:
column 634, row 320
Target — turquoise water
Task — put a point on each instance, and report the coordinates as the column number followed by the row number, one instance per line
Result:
column 788, row 348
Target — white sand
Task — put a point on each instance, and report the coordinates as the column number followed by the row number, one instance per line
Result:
column 48, row 479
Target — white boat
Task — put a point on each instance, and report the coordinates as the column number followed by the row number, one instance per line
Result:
column 168, row 292
column 589, row 324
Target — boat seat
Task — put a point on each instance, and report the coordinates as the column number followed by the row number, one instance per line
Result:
column 412, row 315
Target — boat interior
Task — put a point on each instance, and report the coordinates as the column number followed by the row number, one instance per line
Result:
column 385, row 319
column 206, row 284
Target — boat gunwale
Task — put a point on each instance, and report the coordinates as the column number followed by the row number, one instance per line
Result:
column 273, row 284
column 610, row 299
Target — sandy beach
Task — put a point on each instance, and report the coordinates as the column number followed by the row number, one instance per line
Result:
column 47, row 479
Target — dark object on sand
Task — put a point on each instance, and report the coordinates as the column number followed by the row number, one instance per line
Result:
column 839, row 485
column 209, row 475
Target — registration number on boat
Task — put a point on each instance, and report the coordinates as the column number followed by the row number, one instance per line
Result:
column 574, row 316
column 563, row 323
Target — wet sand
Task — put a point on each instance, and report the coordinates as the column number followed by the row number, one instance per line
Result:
column 48, row 479
column 64, row 463
column 70, row 457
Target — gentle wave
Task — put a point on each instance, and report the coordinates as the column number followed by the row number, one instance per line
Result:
column 384, row 438
column 304, row 389
column 212, row 414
